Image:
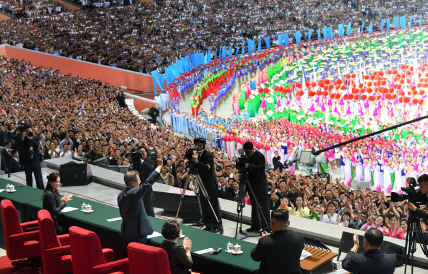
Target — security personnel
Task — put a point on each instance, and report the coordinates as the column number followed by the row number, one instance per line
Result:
column 30, row 157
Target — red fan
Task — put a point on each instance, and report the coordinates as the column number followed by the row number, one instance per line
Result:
column 415, row 92
column 360, row 85
column 400, row 100
column 332, row 96
column 327, row 82
column 293, row 86
column 369, row 90
column 413, row 87
column 313, row 84
column 339, row 82
column 415, row 101
column 371, row 98
column 378, row 97
column 421, row 92
column 391, row 90
column 266, row 90
column 363, row 97
column 321, row 82
column 421, row 101
column 369, row 84
column 337, row 96
column 330, row 87
column 321, row 85
column 260, row 90
column 350, row 97
column 299, row 85
column 388, row 96
column 406, row 100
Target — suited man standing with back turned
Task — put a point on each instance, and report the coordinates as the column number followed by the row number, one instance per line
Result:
column 373, row 261
column 136, row 225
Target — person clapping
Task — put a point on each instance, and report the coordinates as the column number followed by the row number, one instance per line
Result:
column 180, row 259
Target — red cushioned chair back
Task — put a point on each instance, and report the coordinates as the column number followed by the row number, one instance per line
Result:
column 86, row 250
column 154, row 259
column 10, row 220
column 47, row 232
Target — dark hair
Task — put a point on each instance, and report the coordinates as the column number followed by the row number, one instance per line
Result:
column 394, row 216
column 171, row 230
column 14, row 151
column 331, row 203
column 347, row 213
column 130, row 176
column 423, row 178
column 365, row 213
column 280, row 215
column 52, row 178
column 403, row 220
column 374, row 237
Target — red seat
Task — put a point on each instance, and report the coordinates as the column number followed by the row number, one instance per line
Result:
column 154, row 259
column 56, row 255
column 89, row 257
column 19, row 244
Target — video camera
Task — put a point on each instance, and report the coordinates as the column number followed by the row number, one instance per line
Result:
column 242, row 160
column 188, row 155
column 152, row 153
column 414, row 196
column 23, row 127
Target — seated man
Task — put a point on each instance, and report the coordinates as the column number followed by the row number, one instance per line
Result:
column 373, row 261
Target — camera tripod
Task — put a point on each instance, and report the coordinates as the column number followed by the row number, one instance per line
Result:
column 243, row 183
column 414, row 235
column 194, row 174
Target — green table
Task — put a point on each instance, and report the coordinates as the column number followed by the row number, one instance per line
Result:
column 110, row 232
column 21, row 196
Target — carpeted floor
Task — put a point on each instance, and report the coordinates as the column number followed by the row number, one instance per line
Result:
column 6, row 267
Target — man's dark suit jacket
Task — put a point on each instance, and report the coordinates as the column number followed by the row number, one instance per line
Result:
column 179, row 263
column 131, row 207
column 6, row 160
column 14, row 166
column 371, row 262
column 227, row 193
column 206, row 170
column 279, row 253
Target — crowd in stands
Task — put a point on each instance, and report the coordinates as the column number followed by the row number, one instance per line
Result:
column 31, row 8
column 147, row 36
column 83, row 117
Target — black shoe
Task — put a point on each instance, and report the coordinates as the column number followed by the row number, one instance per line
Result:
column 218, row 230
column 208, row 228
column 252, row 229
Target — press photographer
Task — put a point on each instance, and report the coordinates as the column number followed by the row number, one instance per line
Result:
column 203, row 161
column 255, row 168
column 145, row 164
column 28, row 144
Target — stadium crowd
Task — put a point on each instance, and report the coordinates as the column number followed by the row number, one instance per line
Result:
column 83, row 117
column 147, row 36
column 30, row 8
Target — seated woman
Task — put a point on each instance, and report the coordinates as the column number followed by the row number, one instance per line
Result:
column 52, row 201
column 180, row 259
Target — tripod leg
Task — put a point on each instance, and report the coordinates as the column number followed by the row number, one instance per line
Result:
column 183, row 193
column 205, row 194
column 259, row 208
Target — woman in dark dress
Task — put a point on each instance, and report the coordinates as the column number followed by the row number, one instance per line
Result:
column 180, row 259
column 52, row 201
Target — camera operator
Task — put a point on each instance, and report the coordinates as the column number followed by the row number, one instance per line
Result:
column 29, row 144
column 423, row 188
column 204, row 163
column 145, row 167
column 255, row 167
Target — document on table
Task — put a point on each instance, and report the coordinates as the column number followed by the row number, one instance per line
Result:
column 1, row 190
column 305, row 254
column 155, row 234
column 68, row 209
column 203, row 251
column 114, row 219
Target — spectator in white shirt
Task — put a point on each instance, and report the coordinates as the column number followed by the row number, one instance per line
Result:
column 330, row 216
column 66, row 152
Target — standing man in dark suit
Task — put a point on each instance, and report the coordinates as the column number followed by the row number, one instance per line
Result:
column 7, row 157
column 145, row 168
column 255, row 167
column 29, row 158
column 204, row 163
column 279, row 252
column 136, row 225
column 373, row 261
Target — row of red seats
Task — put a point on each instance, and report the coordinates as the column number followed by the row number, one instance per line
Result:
column 79, row 251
